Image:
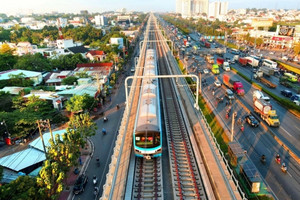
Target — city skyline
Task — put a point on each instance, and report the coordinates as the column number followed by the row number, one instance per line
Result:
column 93, row 6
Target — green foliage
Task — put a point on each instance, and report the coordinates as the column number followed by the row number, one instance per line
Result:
column 83, row 74
column 69, row 80
column 35, row 62
column 1, row 173
column 68, row 62
column 79, row 103
column 19, row 80
column 24, row 187
column 5, row 101
column 22, row 121
column 7, row 61
column 50, row 180
column 84, row 124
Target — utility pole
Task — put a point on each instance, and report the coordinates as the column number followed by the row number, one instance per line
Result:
column 232, row 127
column 41, row 135
column 50, row 130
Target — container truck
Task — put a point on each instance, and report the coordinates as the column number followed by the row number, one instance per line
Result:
column 226, row 66
column 215, row 69
column 220, row 61
column 264, row 109
column 268, row 71
column 207, row 44
column 259, row 76
column 243, row 61
column 233, row 84
column 252, row 61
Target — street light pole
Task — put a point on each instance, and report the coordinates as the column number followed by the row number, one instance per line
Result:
column 232, row 127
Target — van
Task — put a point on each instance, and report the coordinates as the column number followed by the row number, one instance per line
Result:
column 257, row 94
column 229, row 94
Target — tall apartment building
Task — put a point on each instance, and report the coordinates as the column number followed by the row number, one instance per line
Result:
column 190, row 8
column 100, row 20
column 217, row 8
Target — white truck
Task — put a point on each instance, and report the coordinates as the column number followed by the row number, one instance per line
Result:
column 252, row 61
column 264, row 109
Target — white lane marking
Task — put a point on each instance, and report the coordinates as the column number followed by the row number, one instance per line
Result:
column 289, row 174
column 297, row 128
column 286, row 132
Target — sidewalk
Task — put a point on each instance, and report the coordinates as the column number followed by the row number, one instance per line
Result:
column 69, row 182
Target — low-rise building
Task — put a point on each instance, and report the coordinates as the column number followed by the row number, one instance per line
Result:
column 96, row 55
column 36, row 77
column 50, row 97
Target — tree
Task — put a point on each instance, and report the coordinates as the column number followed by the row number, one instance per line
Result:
column 36, row 62
column 50, row 180
column 84, row 124
column 79, row 103
column 5, row 49
column 69, row 80
column 297, row 49
column 7, row 61
column 24, row 187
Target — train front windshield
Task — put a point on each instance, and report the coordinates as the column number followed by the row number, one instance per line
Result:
column 147, row 140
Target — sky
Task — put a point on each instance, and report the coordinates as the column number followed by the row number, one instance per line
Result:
column 74, row 6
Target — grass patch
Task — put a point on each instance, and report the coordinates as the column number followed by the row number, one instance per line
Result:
column 216, row 128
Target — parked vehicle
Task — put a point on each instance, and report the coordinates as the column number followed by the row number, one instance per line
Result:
column 80, row 183
column 286, row 93
column 251, row 120
column 233, row 84
column 264, row 109
column 215, row 69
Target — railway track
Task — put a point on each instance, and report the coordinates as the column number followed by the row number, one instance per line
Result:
column 186, row 179
column 148, row 179
column 148, row 173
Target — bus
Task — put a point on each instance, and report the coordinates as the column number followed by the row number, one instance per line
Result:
column 270, row 63
column 235, row 52
column 290, row 77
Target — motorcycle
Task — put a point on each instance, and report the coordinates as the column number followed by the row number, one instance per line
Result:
column 96, row 191
column 277, row 160
column 263, row 159
column 103, row 131
column 98, row 162
column 95, row 180
column 242, row 128
column 105, row 119
column 283, row 168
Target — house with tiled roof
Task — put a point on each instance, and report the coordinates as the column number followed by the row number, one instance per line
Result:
column 96, row 70
column 96, row 55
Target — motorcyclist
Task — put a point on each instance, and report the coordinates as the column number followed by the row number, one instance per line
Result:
column 98, row 161
column 95, row 179
column 242, row 128
column 283, row 167
column 103, row 131
column 96, row 190
column 278, row 158
column 263, row 158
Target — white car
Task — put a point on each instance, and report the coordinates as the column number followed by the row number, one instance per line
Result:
column 217, row 83
column 297, row 102
column 205, row 71
column 285, row 58
column 271, row 52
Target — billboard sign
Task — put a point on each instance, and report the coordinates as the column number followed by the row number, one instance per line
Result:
column 286, row 30
column 262, row 22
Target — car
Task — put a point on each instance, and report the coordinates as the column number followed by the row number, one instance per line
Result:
column 285, row 58
column 205, row 71
column 251, row 120
column 286, row 93
column 295, row 97
column 217, row 83
column 271, row 52
column 80, row 184
column 297, row 102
